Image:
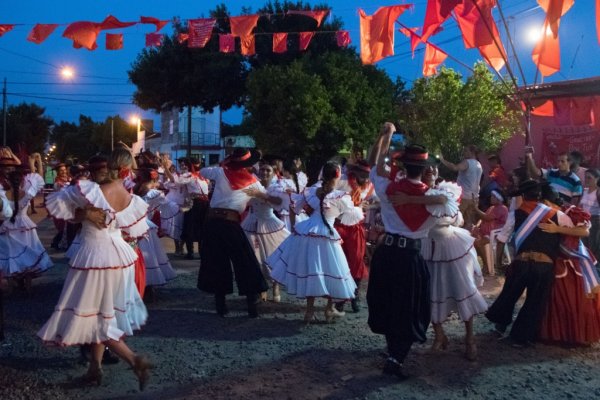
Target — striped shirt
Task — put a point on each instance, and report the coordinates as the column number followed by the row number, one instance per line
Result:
column 567, row 186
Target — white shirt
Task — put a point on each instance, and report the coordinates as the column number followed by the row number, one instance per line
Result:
column 391, row 220
column 509, row 226
column 223, row 195
column 469, row 179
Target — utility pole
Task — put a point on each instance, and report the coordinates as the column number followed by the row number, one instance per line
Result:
column 4, row 111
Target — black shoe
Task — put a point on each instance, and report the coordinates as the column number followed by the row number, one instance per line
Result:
column 355, row 304
column 189, row 256
column 339, row 306
column 252, row 302
column 220, row 306
column 393, row 367
column 109, row 358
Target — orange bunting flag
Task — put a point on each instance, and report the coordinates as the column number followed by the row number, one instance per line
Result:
column 562, row 111
column 554, row 10
column 226, row 43
column 4, row 28
column 434, row 56
column 546, row 54
column 437, row 12
column 153, row 39
column 342, row 38
column 317, row 15
column 305, row 38
column 114, row 41
column 581, row 110
column 474, row 24
column 414, row 38
column 248, row 45
column 40, row 32
column 111, row 22
column 200, row 31
column 182, row 37
column 243, row 26
column 83, row 34
column 377, row 33
column 280, row 42
column 495, row 57
column 155, row 21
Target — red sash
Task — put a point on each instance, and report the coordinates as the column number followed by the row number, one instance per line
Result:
column 239, row 178
column 413, row 215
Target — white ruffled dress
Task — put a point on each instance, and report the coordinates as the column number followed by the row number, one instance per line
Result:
column 99, row 300
column 24, row 231
column 12, row 253
column 452, row 262
column 311, row 262
column 171, row 213
column 264, row 230
column 158, row 266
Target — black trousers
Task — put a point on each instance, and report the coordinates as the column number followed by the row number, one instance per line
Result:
column 537, row 278
column 224, row 245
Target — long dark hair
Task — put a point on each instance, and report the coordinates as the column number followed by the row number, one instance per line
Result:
column 14, row 179
column 331, row 170
column 290, row 167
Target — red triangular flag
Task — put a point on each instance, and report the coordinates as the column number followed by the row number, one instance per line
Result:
column 317, row 15
column 562, row 110
column 434, row 56
column 226, row 43
column 243, row 26
column 342, row 38
column 280, row 42
column 474, row 20
column 40, row 32
column 377, row 33
column 153, row 39
column 581, row 110
column 111, row 22
column 200, row 31
column 4, row 28
column 248, row 45
column 83, row 34
column 546, row 54
column 414, row 38
column 436, row 13
column 554, row 10
column 155, row 21
column 114, row 41
column 306, row 37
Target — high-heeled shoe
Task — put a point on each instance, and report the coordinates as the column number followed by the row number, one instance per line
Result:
column 440, row 343
column 141, row 369
column 471, row 351
column 332, row 313
column 93, row 376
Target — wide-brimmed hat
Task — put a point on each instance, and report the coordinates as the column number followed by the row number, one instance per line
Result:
column 361, row 168
column 9, row 162
column 242, row 158
column 415, row 154
column 526, row 186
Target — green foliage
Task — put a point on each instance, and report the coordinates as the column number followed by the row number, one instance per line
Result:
column 27, row 126
column 446, row 113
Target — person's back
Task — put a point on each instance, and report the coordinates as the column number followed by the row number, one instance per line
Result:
column 469, row 179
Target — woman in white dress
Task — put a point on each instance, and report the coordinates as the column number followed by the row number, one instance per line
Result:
column 310, row 263
column 20, row 227
column 158, row 267
column 264, row 230
column 99, row 303
column 453, row 267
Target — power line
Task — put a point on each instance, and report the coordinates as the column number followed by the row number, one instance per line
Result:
column 71, row 100
column 70, row 83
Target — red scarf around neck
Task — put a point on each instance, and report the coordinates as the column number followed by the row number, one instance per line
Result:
column 239, row 178
column 413, row 215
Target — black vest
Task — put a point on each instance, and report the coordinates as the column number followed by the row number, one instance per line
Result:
column 539, row 241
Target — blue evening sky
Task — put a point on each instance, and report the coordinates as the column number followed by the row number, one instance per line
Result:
column 100, row 87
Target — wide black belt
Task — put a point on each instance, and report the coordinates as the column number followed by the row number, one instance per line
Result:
column 402, row 242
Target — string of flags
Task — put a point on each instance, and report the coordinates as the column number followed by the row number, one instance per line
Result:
column 474, row 19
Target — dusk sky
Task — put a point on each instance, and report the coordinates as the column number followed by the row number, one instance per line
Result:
column 101, row 88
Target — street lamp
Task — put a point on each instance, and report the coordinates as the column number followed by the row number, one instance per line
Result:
column 137, row 121
column 67, row 72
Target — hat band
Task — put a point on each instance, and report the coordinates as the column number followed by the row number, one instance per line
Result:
column 417, row 157
column 242, row 158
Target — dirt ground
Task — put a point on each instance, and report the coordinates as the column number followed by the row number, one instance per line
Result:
column 201, row 356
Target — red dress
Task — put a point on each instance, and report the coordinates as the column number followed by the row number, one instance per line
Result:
column 572, row 317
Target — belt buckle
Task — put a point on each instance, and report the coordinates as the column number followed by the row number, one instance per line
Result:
column 389, row 240
column 402, row 242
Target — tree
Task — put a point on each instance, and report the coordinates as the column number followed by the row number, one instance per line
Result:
column 27, row 128
column 446, row 113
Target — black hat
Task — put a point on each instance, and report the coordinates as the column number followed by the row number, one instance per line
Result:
column 415, row 154
column 242, row 158
column 271, row 158
column 528, row 185
column 9, row 162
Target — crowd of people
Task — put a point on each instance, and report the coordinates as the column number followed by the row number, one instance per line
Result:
column 390, row 219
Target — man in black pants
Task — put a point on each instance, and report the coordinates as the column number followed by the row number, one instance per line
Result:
column 533, row 267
